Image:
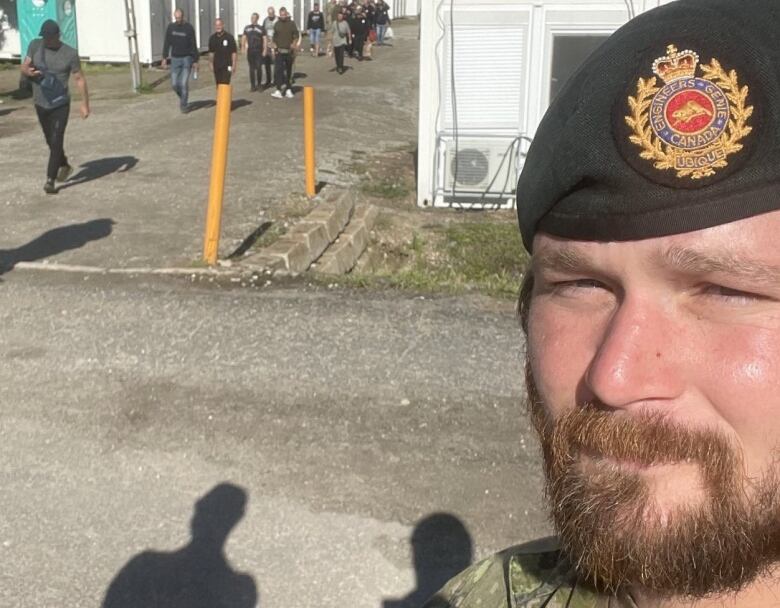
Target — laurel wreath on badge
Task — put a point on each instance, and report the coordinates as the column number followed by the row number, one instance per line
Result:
column 689, row 125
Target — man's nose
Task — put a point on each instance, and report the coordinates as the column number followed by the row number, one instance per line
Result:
column 638, row 359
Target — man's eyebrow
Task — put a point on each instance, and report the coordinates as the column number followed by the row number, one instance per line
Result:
column 563, row 259
column 692, row 261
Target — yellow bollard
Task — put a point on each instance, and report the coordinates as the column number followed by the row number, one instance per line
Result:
column 308, row 140
column 218, row 167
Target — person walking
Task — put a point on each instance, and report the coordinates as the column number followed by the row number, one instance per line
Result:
column 382, row 20
column 49, row 64
column 286, row 40
column 223, row 53
column 181, row 46
column 315, row 23
column 269, row 23
column 359, row 27
column 255, row 45
column 340, row 37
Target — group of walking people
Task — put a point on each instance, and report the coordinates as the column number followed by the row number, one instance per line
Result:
column 344, row 28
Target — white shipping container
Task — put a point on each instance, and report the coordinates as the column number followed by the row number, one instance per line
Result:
column 102, row 25
column 488, row 71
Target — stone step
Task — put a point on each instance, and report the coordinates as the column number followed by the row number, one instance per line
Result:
column 308, row 239
column 345, row 251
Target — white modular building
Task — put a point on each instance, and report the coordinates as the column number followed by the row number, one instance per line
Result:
column 102, row 26
column 488, row 71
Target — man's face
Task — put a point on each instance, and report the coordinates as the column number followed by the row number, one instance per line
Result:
column 178, row 16
column 654, row 381
column 255, row 18
column 219, row 26
column 271, row 12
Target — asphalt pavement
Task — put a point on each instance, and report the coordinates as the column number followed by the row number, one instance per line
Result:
column 340, row 448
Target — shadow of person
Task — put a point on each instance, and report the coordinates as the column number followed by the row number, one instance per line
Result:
column 101, row 167
column 441, row 548
column 195, row 576
column 200, row 105
column 52, row 242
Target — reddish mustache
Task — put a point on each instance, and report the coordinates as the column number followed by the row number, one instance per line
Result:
column 645, row 439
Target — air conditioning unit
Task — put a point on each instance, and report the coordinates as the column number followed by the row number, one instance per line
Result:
column 478, row 172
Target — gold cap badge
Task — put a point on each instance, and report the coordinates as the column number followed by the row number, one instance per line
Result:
column 690, row 125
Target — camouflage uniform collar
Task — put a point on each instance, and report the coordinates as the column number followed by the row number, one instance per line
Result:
column 539, row 575
column 533, row 575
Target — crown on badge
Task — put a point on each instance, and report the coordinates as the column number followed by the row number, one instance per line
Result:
column 676, row 65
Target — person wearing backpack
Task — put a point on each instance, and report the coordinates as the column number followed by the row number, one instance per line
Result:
column 49, row 64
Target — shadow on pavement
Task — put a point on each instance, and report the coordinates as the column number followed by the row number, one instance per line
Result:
column 239, row 103
column 194, row 106
column 6, row 111
column 210, row 103
column 197, row 575
column 55, row 241
column 249, row 241
column 441, row 547
column 101, row 167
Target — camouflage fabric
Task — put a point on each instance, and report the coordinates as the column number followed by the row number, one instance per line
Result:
column 534, row 575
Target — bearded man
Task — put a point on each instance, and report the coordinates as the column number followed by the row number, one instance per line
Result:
column 652, row 317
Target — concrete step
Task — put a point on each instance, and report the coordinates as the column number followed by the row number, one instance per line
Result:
column 308, row 239
column 345, row 251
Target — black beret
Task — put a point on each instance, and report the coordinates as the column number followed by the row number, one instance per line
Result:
column 672, row 125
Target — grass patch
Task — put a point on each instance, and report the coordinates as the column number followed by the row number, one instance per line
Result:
column 104, row 68
column 270, row 236
column 385, row 188
column 483, row 257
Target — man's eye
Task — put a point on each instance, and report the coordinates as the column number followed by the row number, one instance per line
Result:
column 734, row 296
column 577, row 286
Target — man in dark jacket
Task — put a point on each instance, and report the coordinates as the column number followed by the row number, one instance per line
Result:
column 223, row 53
column 286, row 40
column 180, row 43
column 315, row 23
column 382, row 20
column 359, row 26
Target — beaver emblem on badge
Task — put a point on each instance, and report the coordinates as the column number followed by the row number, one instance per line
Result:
column 691, row 124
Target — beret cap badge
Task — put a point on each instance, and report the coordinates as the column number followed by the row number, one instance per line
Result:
column 685, row 123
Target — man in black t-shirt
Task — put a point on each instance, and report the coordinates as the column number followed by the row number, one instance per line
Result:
column 223, row 53
column 255, row 45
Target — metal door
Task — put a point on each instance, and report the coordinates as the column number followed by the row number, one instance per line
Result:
column 399, row 8
column 296, row 13
column 188, row 7
column 207, row 15
column 307, row 6
column 226, row 14
column 160, row 17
